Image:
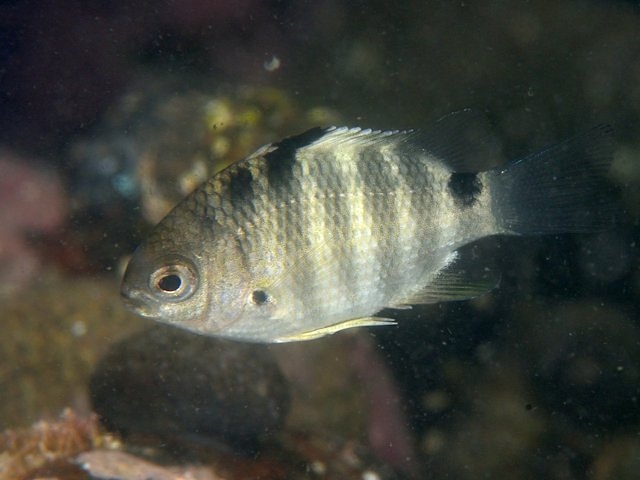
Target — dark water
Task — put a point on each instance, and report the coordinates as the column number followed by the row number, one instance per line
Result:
column 112, row 111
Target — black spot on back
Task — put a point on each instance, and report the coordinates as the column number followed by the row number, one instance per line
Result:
column 240, row 183
column 280, row 162
column 465, row 188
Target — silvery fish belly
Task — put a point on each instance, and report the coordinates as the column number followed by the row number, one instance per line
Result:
column 322, row 231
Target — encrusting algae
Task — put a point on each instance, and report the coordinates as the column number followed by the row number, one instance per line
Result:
column 44, row 449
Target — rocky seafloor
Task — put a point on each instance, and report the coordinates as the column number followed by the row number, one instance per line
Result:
column 538, row 379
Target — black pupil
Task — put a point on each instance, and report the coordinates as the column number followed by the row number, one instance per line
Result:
column 170, row 283
column 259, row 297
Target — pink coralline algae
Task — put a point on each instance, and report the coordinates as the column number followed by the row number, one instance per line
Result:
column 33, row 205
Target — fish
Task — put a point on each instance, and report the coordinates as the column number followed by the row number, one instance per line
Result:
column 323, row 231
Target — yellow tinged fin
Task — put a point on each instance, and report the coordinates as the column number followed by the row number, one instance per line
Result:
column 336, row 327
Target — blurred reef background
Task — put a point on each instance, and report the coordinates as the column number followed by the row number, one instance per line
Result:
column 111, row 112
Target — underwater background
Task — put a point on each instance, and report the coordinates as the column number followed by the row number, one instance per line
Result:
column 113, row 111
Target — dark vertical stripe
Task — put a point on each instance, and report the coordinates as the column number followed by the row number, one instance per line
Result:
column 280, row 161
column 465, row 188
column 240, row 185
column 389, row 173
column 371, row 167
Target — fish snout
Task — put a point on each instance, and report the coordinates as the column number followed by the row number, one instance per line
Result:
column 137, row 301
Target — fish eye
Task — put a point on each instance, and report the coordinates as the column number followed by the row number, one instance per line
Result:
column 174, row 282
column 170, row 283
column 259, row 297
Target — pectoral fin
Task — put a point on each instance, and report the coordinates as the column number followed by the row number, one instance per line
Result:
column 336, row 327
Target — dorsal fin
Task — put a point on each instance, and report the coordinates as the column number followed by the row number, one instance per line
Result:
column 464, row 140
column 360, row 137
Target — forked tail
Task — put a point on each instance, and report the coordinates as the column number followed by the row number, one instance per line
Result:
column 559, row 189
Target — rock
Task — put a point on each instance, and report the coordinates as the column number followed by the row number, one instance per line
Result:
column 294, row 457
column 43, row 450
column 118, row 465
column 55, row 333
column 342, row 386
column 170, row 382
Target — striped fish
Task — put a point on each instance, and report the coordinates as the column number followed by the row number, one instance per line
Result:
column 320, row 232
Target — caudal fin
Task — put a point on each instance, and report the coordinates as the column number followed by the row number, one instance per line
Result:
column 560, row 189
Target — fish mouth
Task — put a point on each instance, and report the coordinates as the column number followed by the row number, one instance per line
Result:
column 138, row 302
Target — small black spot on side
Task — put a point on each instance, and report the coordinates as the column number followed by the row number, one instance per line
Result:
column 259, row 297
column 280, row 162
column 465, row 188
column 240, row 184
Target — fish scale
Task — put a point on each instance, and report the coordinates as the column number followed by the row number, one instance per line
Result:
column 320, row 232
column 334, row 216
